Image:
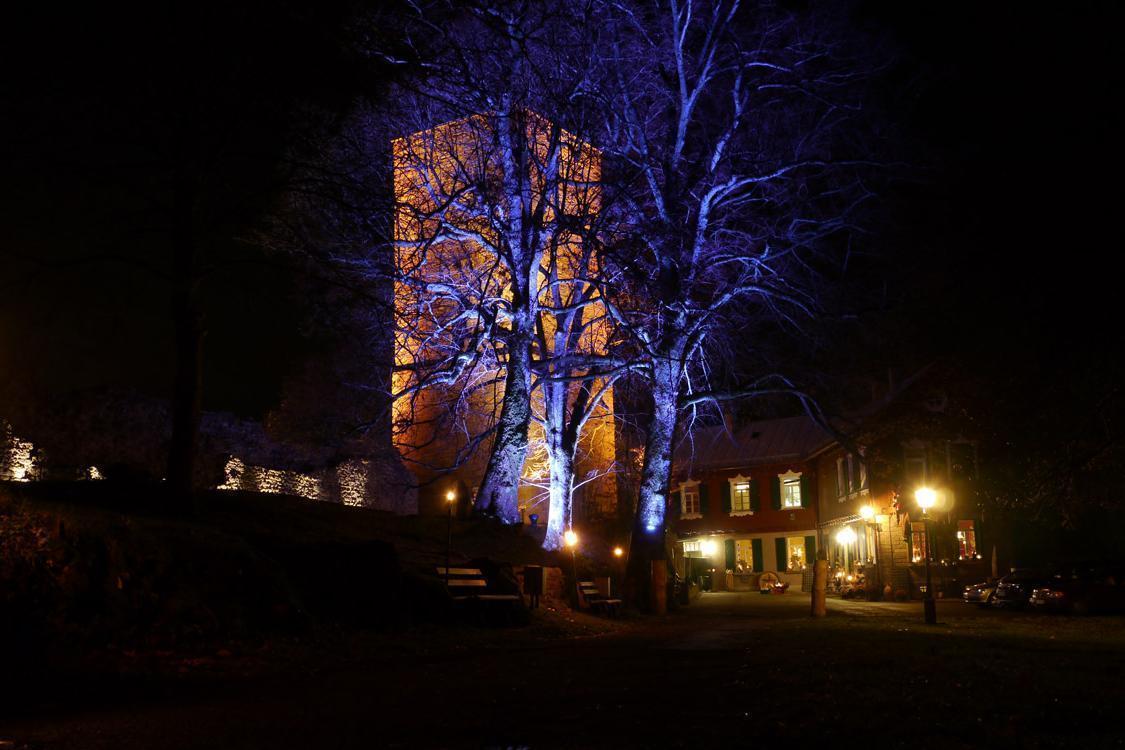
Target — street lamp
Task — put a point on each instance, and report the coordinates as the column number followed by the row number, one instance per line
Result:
column 450, row 497
column 571, row 540
column 926, row 498
column 867, row 513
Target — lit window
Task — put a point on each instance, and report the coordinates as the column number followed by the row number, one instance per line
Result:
column 740, row 498
column 917, row 542
column 790, row 490
column 966, row 540
column 690, row 496
column 796, row 552
column 743, row 556
column 693, row 548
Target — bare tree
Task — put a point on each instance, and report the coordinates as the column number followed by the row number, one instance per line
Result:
column 483, row 184
column 733, row 187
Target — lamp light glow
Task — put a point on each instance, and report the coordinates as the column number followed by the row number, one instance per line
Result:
column 846, row 536
column 571, row 538
column 708, row 547
column 618, row 552
column 450, row 496
column 866, row 512
column 925, row 497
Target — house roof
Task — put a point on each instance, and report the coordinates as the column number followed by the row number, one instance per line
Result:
column 766, row 441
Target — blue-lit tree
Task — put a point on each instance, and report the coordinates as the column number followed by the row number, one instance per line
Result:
column 491, row 192
column 736, row 183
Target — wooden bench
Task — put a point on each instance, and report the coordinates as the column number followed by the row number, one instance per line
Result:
column 594, row 601
column 470, row 586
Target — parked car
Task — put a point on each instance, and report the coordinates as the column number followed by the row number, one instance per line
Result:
column 1083, row 588
column 980, row 593
column 1015, row 589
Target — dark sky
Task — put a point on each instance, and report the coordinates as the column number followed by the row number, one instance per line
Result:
column 1005, row 238
column 1015, row 116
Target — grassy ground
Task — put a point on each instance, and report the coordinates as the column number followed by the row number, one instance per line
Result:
column 733, row 669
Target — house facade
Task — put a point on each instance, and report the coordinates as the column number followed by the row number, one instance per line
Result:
column 869, row 522
column 744, row 502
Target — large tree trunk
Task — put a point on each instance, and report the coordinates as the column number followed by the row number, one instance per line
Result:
column 561, row 513
column 647, row 542
column 499, row 489
column 560, row 459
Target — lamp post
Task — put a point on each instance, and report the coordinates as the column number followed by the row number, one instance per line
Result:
column 926, row 497
column 571, row 540
column 867, row 513
column 619, row 553
column 450, row 497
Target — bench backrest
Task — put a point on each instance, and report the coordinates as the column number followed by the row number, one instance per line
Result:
column 589, row 590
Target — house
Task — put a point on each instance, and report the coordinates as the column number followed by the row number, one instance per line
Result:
column 869, row 522
column 744, row 502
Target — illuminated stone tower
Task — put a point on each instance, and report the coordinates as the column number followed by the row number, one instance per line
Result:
column 452, row 288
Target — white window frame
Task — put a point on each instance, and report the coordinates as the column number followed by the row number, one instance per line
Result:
column 787, row 480
column 734, row 482
column 748, row 545
column 789, row 554
column 684, row 487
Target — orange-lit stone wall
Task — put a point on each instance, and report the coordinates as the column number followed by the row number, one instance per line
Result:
column 449, row 227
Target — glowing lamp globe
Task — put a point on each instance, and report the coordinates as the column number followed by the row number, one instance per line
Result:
column 709, row 547
column 925, row 497
column 571, row 538
column 450, row 496
column 867, row 513
column 846, row 536
column 618, row 552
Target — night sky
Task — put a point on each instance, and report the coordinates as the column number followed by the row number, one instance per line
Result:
column 999, row 244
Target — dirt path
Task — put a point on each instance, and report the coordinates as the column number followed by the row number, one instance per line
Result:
column 730, row 669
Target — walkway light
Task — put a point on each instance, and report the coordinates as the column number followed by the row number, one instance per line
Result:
column 709, row 547
column 450, row 498
column 571, row 540
column 618, row 552
column 926, row 498
column 866, row 512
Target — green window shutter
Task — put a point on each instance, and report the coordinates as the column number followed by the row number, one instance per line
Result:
column 755, row 496
column 782, row 554
column 726, row 498
column 756, row 551
column 728, row 548
column 703, row 498
column 775, row 491
column 806, row 499
column 810, row 550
